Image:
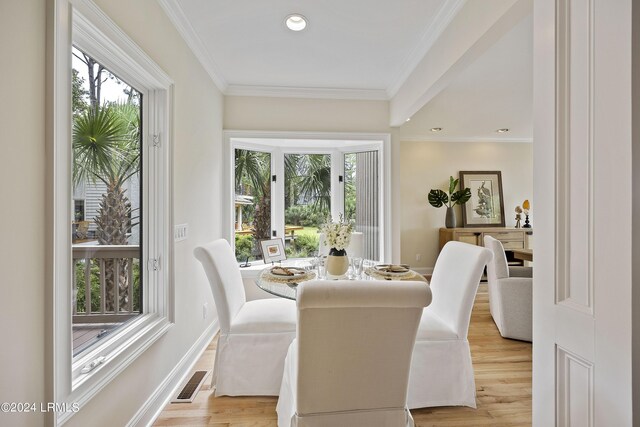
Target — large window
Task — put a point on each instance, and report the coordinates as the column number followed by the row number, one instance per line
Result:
column 112, row 274
column 307, row 201
column 107, row 168
column 287, row 188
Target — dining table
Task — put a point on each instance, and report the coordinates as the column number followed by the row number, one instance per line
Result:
column 286, row 287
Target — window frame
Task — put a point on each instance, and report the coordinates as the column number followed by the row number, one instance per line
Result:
column 82, row 23
column 302, row 143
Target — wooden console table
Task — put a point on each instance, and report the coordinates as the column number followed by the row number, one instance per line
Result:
column 511, row 238
column 523, row 254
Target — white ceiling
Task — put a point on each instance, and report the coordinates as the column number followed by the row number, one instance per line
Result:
column 494, row 92
column 359, row 49
column 353, row 45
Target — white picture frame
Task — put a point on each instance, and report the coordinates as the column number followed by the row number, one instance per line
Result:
column 272, row 250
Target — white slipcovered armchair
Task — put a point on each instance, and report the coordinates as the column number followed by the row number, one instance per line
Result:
column 441, row 369
column 254, row 335
column 349, row 364
column 510, row 294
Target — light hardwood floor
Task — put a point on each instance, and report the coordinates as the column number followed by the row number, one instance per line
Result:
column 503, row 382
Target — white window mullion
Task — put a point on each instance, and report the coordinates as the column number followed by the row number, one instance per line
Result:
column 337, row 187
column 277, row 194
column 152, row 252
column 384, row 170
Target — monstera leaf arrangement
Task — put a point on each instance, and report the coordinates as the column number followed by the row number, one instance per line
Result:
column 438, row 198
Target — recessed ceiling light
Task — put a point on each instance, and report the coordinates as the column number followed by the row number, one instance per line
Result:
column 436, row 129
column 296, row 22
column 408, row 120
column 503, row 130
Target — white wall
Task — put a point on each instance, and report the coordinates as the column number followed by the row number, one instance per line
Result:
column 305, row 115
column 635, row 224
column 197, row 194
column 197, row 165
column 22, row 202
column 427, row 165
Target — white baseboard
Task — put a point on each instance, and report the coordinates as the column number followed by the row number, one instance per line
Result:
column 423, row 270
column 165, row 391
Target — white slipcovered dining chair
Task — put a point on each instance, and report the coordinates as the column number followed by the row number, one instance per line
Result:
column 355, row 249
column 254, row 335
column 510, row 294
column 349, row 364
column 441, row 369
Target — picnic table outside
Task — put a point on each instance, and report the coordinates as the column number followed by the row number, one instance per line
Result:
column 289, row 231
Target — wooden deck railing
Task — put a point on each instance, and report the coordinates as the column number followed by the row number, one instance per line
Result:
column 100, row 254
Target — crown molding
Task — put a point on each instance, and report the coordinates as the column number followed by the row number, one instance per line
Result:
column 440, row 22
column 305, row 92
column 180, row 21
column 444, row 16
column 453, row 139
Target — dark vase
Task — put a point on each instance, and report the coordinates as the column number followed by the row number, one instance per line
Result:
column 450, row 220
column 336, row 252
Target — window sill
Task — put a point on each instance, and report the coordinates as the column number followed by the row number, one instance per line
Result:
column 119, row 352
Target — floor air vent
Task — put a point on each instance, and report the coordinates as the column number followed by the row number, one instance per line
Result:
column 191, row 388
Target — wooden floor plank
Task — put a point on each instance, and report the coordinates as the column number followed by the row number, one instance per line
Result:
column 503, row 382
column 84, row 335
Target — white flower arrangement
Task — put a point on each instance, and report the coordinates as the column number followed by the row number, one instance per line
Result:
column 337, row 235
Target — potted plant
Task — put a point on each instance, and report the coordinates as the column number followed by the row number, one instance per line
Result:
column 438, row 198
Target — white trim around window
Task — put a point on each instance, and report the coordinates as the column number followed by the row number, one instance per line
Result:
column 317, row 143
column 82, row 23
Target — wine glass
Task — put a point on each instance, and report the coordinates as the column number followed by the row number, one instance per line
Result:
column 357, row 266
column 322, row 270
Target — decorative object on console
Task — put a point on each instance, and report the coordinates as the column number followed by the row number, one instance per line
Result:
column 486, row 207
column 337, row 236
column 526, row 206
column 518, row 216
column 438, row 198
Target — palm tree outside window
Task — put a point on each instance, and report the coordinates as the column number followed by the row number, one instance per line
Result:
column 106, row 147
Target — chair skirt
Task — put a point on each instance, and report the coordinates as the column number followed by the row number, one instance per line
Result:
column 287, row 416
column 250, row 364
column 441, row 375
column 378, row 418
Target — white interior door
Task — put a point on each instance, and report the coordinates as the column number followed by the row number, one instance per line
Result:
column 582, row 213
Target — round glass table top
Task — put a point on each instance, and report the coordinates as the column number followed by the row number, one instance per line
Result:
column 287, row 288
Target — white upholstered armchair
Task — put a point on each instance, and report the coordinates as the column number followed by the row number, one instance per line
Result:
column 254, row 335
column 510, row 294
column 349, row 364
column 441, row 368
